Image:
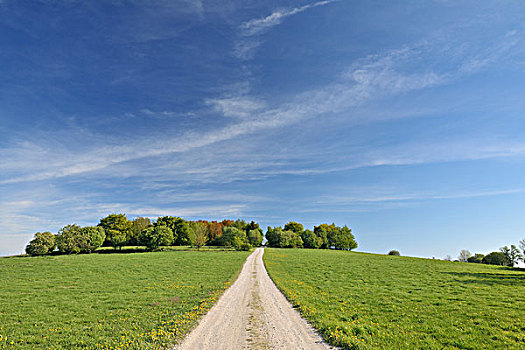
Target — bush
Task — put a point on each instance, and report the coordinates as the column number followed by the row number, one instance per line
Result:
column 476, row 258
column 43, row 243
column 240, row 244
column 154, row 237
column 496, row 258
column 394, row 252
column 229, row 236
column 73, row 239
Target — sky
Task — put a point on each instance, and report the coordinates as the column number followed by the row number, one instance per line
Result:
column 402, row 119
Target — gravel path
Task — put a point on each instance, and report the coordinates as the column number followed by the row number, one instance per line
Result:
column 253, row 314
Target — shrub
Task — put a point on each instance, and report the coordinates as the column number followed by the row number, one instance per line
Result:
column 476, row 258
column 240, row 244
column 73, row 239
column 496, row 258
column 394, row 252
column 43, row 243
column 154, row 237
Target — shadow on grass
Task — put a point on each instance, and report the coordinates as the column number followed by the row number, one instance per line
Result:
column 491, row 279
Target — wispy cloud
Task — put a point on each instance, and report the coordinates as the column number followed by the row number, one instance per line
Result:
column 258, row 25
column 368, row 79
column 245, row 46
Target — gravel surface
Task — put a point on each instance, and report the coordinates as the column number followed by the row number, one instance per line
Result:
column 253, row 314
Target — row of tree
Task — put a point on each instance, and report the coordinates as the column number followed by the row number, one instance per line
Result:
column 324, row 236
column 117, row 231
column 506, row 256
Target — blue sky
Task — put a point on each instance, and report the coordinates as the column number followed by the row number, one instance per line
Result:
column 401, row 119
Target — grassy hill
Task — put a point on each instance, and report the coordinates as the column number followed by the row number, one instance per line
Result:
column 369, row 301
column 118, row 301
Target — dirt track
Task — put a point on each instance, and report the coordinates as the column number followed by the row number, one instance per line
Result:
column 253, row 314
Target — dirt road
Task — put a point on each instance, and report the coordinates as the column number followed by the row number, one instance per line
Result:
column 253, row 314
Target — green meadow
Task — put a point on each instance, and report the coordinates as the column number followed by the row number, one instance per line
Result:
column 109, row 301
column 368, row 301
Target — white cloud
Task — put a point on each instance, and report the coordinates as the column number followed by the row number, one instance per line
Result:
column 258, row 25
column 245, row 46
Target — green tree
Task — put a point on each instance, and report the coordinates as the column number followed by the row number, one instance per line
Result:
column 137, row 226
column 90, row 238
column 42, row 243
column 522, row 247
column 273, row 236
column 116, row 222
column 496, row 258
column 181, row 232
column 278, row 238
column 342, row 238
column 154, row 237
column 294, row 226
column 199, row 234
column 310, row 239
column 239, row 224
column 68, row 239
column 229, row 234
column 394, row 252
column 323, row 231
column 252, row 226
column 476, row 258
column 512, row 254
column 255, row 237
column 116, row 238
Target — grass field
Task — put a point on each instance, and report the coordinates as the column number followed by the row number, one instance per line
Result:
column 117, row 301
column 368, row 301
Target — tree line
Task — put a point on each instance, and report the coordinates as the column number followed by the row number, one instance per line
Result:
column 324, row 236
column 506, row 256
column 117, row 230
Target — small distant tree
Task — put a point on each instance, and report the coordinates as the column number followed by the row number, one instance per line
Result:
column 137, row 226
column 273, row 236
column 229, row 235
column 255, row 237
column 496, row 258
column 68, row 239
column 116, row 238
column 394, row 252
column 116, row 222
column 464, row 255
column 199, row 235
column 43, row 243
column 512, row 255
column 310, row 239
column 448, row 258
column 476, row 258
column 522, row 247
column 240, row 244
column 91, row 237
column 294, row 226
column 154, row 237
